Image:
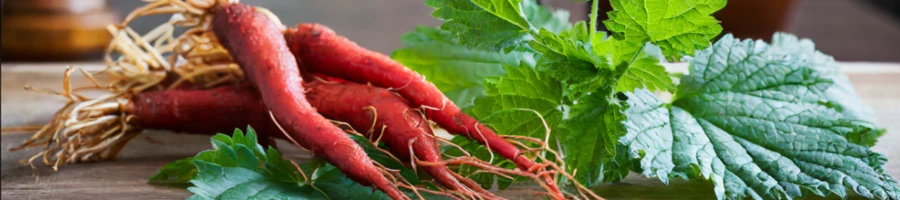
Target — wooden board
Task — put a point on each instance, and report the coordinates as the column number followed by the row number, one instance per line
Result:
column 125, row 178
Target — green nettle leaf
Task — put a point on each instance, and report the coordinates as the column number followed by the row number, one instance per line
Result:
column 573, row 42
column 570, row 58
column 456, row 70
column 238, row 168
column 494, row 28
column 649, row 135
column 616, row 169
column 748, row 117
column 178, row 172
column 645, row 72
column 590, row 137
column 677, row 26
column 576, row 76
column 495, row 24
column 842, row 96
column 617, row 51
column 511, row 99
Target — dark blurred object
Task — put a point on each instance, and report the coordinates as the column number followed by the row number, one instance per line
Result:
column 890, row 6
column 755, row 19
column 55, row 30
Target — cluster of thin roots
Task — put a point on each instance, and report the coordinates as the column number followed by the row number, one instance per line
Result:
column 195, row 55
column 85, row 129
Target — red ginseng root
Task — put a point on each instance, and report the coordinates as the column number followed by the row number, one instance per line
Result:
column 197, row 111
column 259, row 48
column 319, row 49
column 211, row 111
column 386, row 115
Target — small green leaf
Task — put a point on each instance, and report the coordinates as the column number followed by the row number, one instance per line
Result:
column 499, row 25
column 511, row 98
column 679, row 27
column 645, row 72
column 591, row 136
column 495, row 25
column 568, row 58
column 178, row 172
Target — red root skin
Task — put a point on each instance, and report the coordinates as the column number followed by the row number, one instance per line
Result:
column 319, row 49
column 396, row 122
column 260, row 49
column 211, row 111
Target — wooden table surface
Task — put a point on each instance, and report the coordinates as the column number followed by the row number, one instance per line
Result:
column 125, row 178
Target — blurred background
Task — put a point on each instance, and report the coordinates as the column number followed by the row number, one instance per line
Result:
column 74, row 30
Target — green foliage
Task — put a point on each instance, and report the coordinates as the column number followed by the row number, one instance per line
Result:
column 571, row 85
column 749, row 118
column 594, row 93
column 238, row 168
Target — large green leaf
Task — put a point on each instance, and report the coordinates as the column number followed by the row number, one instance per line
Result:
column 841, row 96
column 750, row 118
column 677, row 26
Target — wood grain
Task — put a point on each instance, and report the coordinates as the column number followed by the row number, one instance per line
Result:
column 125, row 178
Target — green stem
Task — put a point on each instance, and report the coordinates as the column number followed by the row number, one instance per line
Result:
column 593, row 16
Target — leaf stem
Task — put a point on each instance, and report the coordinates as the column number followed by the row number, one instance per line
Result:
column 593, row 16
